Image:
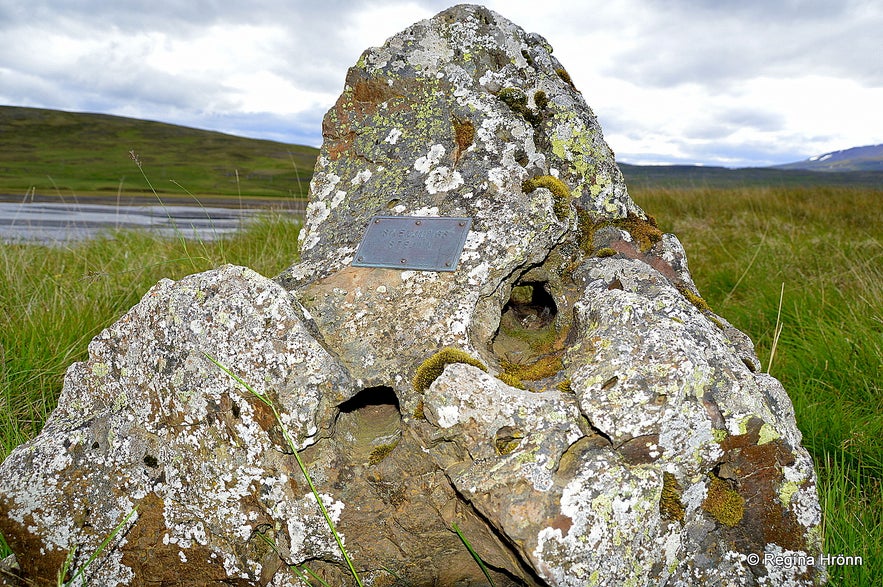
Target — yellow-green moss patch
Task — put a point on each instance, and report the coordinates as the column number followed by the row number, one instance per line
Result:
column 697, row 301
column 511, row 380
column 543, row 367
column 431, row 368
column 560, row 193
column 564, row 386
column 670, row 505
column 644, row 231
column 605, row 252
column 723, row 503
column 380, row 453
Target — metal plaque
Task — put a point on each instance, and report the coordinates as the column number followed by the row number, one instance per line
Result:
column 427, row 243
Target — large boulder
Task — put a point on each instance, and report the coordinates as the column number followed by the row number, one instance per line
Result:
column 564, row 398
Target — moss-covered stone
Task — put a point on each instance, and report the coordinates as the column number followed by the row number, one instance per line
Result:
column 511, row 380
column 562, row 73
column 560, row 193
column 516, row 100
column 431, row 368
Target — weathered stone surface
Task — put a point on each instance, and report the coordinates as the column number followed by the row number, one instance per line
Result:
column 608, row 429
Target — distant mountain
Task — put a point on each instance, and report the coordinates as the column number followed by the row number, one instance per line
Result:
column 868, row 158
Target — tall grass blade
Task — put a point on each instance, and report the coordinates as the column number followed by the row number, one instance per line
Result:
column 778, row 330
column 98, row 551
column 474, row 554
column 293, row 447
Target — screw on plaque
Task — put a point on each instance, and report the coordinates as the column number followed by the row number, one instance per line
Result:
column 417, row 222
column 462, row 224
column 404, row 260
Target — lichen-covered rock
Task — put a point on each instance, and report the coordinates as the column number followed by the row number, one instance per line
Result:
column 148, row 421
column 565, row 397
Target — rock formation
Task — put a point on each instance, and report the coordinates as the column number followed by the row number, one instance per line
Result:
column 564, row 397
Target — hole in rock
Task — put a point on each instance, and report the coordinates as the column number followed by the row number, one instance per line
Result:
column 528, row 342
column 507, row 439
column 530, row 306
column 369, row 424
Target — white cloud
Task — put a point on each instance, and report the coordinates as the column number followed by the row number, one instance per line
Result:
column 681, row 81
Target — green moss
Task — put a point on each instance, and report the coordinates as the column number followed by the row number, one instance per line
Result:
column 560, row 193
column 516, row 100
column 670, row 505
column 605, row 252
column 564, row 386
column 431, row 368
column 381, row 452
column 643, row 230
column 509, row 443
column 697, row 301
column 543, row 367
column 521, row 294
column 724, row 504
column 511, row 380
column 562, row 73
column 540, row 99
column 418, row 411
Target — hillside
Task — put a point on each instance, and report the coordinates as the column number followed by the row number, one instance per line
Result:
column 50, row 152
column 698, row 176
column 868, row 158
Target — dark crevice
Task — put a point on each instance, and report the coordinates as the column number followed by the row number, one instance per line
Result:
column 524, row 567
column 371, row 396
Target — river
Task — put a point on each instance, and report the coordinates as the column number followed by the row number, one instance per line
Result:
column 58, row 223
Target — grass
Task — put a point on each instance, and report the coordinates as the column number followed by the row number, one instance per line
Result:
column 825, row 243
column 821, row 335
column 49, row 152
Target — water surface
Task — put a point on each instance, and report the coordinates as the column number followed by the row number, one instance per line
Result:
column 59, row 223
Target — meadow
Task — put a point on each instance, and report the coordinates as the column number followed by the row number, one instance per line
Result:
column 821, row 334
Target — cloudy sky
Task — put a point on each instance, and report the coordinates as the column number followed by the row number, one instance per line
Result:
column 714, row 82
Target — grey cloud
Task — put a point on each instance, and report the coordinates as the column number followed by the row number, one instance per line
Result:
column 699, row 42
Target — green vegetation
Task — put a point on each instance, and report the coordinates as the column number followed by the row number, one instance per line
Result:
column 48, row 152
column 430, row 369
column 474, row 554
column 724, row 504
column 560, row 193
